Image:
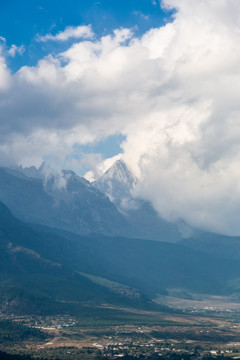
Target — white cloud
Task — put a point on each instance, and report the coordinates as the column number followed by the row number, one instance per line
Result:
column 5, row 77
column 71, row 32
column 100, row 167
column 14, row 50
column 174, row 94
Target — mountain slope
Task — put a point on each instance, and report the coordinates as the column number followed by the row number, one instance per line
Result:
column 149, row 266
column 223, row 246
column 67, row 201
column 31, row 281
column 64, row 201
column 50, row 270
column 118, row 184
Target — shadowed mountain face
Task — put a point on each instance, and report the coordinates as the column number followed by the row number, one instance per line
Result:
column 118, row 184
column 65, row 201
column 36, row 275
column 222, row 246
column 49, row 269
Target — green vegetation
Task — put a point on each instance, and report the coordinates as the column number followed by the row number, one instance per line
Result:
column 114, row 286
column 101, row 318
column 12, row 332
column 99, row 333
column 6, row 356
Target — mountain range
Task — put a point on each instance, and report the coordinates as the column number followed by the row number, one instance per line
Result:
column 62, row 200
column 46, row 270
column 66, row 243
column 67, row 201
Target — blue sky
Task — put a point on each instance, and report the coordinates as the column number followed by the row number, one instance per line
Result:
column 22, row 20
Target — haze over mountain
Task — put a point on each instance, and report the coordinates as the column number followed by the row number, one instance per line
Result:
column 62, row 200
column 50, row 270
column 46, row 270
column 223, row 246
column 67, row 201
column 118, row 184
column 31, row 281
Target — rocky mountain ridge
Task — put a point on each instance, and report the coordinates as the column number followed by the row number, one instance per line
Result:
column 67, row 201
column 118, row 184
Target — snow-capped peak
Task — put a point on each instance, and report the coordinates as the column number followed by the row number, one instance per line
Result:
column 120, row 173
column 117, row 182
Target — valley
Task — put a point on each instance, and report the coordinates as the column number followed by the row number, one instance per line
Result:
column 111, row 333
column 200, row 303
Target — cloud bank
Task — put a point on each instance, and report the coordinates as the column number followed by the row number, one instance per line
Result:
column 174, row 94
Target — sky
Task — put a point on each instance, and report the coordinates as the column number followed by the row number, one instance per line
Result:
column 26, row 25
column 22, row 21
column 83, row 83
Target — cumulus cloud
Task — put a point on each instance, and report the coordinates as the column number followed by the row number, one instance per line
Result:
column 98, row 168
column 174, row 94
column 5, row 77
column 14, row 50
column 71, row 32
